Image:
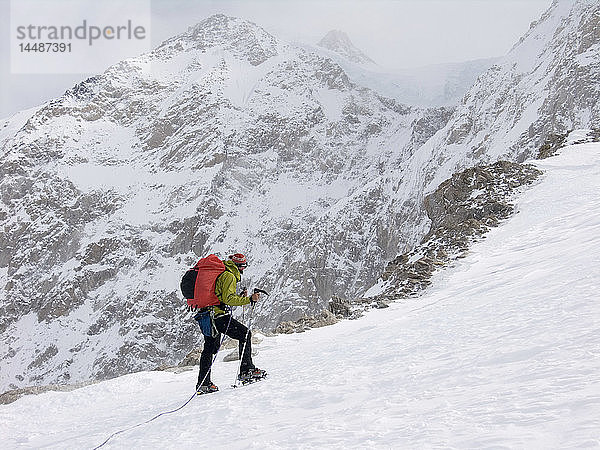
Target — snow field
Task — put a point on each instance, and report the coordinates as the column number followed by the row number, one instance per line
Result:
column 502, row 352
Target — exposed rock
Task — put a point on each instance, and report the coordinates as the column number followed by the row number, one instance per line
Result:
column 340, row 307
column 306, row 323
column 234, row 355
column 556, row 142
column 432, row 121
column 15, row 394
column 339, row 42
column 461, row 210
column 192, row 358
column 553, row 143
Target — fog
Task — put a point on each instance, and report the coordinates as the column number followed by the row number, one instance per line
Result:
column 396, row 34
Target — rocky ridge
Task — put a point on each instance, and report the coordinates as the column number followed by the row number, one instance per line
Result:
column 222, row 139
column 227, row 139
column 462, row 209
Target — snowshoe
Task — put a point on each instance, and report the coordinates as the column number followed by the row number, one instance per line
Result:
column 206, row 389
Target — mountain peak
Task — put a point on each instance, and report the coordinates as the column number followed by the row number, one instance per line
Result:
column 337, row 41
column 243, row 38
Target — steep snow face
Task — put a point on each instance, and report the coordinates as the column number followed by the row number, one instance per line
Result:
column 548, row 83
column 222, row 139
column 434, row 86
column 516, row 106
column 501, row 352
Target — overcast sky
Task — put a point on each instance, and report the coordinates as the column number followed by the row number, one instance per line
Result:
column 395, row 33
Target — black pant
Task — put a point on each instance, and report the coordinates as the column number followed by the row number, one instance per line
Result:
column 229, row 326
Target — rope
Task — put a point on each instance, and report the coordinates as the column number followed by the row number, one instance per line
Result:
column 143, row 423
column 176, row 409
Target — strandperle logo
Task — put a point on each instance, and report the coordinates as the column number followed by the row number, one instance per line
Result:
column 77, row 36
column 85, row 32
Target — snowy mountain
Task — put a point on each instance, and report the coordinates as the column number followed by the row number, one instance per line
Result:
column 498, row 353
column 548, row 83
column 226, row 139
column 434, row 86
column 516, row 107
column 337, row 41
column 222, row 139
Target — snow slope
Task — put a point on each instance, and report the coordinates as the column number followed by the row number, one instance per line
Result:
column 503, row 351
column 225, row 139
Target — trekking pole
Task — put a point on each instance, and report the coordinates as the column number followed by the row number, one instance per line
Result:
column 256, row 291
column 244, row 293
column 245, row 342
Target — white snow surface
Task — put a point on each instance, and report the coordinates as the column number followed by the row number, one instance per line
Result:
column 502, row 352
column 179, row 153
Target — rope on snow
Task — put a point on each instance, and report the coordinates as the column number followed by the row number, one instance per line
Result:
column 174, row 410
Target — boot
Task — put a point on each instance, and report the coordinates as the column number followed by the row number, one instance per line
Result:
column 206, row 388
column 252, row 375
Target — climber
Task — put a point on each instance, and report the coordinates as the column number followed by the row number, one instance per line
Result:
column 223, row 322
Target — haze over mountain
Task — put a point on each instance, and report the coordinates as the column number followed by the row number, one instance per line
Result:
column 440, row 85
column 339, row 42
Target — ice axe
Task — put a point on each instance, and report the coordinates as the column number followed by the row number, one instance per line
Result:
column 259, row 291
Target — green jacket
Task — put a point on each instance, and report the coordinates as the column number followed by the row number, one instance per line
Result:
column 225, row 288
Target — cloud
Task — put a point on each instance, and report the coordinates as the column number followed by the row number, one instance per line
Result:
column 395, row 33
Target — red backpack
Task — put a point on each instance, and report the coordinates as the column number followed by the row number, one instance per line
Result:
column 198, row 283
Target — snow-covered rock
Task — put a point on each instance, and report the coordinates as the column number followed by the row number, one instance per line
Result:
column 222, row 139
column 226, row 139
column 501, row 352
column 548, row 83
column 545, row 86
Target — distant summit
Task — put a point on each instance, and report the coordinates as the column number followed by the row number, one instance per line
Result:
column 339, row 42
